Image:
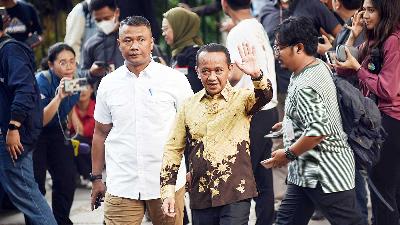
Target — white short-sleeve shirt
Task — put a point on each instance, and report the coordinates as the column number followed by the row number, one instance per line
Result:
column 252, row 32
column 142, row 110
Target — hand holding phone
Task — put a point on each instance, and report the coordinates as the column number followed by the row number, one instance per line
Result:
column 99, row 68
column 341, row 55
column 33, row 40
column 101, row 64
column 267, row 163
column 275, row 134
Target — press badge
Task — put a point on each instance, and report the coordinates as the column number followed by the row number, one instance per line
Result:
column 288, row 128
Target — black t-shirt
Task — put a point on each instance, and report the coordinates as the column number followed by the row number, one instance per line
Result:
column 24, row 20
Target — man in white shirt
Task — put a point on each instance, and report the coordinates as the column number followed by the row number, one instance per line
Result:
column 135, row 108
column 248, row 29
column 80, row 27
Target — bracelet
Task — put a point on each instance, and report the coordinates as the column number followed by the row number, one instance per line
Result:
column 259, row 77
column 290, row 155
column 93, row 177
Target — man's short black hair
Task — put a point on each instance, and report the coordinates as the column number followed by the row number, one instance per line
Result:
column 351, row 4
column 213, row 47
column 296, row 30
column 99, row 4
column 239, row 4
column 135, row 21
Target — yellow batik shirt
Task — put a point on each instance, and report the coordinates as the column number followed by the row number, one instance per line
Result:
column 215, row 132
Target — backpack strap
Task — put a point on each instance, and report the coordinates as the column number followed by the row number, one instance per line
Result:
column 46, row 74
column 5, row 41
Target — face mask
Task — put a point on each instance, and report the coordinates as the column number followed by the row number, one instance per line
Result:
column 107, row 26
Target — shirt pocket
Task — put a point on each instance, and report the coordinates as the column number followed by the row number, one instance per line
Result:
column 119, row 109
column 160, row 107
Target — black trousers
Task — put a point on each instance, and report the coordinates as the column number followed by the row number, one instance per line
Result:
column 386, row 175
column 260, row 149
column 83, row 161
column 55, row 154
column 299, row 203
column 232, row 214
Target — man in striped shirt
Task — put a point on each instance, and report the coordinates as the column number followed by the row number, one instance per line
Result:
column 321, row 164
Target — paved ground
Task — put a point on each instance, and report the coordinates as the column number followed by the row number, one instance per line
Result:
column 81, row 213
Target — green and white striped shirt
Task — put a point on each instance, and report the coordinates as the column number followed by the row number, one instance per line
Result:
column 311, row 108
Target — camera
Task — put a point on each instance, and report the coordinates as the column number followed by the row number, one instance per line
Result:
column 341, row 53
column 75, row 85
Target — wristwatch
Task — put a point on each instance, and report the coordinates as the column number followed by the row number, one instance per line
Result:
column 93, row 177
column 259, row 77
column 290, row 155
column 12, row 127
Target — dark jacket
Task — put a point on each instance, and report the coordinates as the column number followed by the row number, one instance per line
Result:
column 19, row 92
column 362, row 122
column 185, row 62
column 47, row 91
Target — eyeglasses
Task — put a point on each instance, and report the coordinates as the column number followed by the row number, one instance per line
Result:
column 66, row 64
column 277, row 49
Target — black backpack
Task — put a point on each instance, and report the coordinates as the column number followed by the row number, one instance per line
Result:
column 362, row 122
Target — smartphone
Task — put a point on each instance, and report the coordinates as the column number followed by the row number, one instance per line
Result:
column 341, row 53
column 101, row 64
column 266, row 163
column 3, row 11
column 34, row 38
column 275, row 134
column 330, row 57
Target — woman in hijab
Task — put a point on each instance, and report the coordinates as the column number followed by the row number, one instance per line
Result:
column 180, row 28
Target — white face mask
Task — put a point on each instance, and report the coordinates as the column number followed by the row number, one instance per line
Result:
column 107, row 26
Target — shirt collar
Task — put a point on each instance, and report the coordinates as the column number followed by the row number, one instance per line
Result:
column 226, row 93
column 148, row 71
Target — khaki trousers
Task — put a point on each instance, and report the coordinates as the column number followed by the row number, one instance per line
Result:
column 118, row 211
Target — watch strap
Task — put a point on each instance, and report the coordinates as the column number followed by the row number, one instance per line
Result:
column 259, row 77
column 12, row 126
column 290, row 155
column 93, row 177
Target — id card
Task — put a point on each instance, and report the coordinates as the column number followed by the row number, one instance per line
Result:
column 289, row 130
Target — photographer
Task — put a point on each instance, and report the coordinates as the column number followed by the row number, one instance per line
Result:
column 54, row 152
column 378, row 72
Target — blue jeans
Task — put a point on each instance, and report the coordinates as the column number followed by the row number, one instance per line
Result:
column 19, row 184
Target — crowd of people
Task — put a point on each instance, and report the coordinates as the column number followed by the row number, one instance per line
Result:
column 109, row 111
